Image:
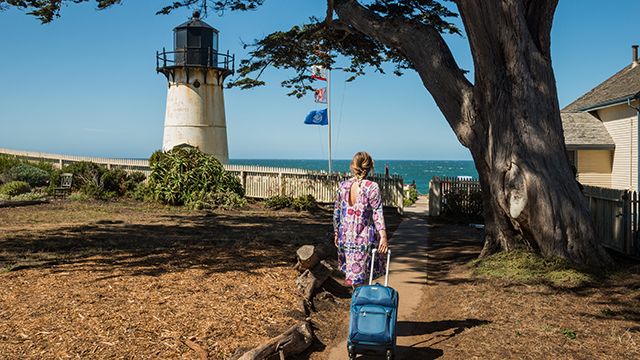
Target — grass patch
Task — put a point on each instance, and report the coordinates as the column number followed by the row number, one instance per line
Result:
column 569, row 334
column 528, row 267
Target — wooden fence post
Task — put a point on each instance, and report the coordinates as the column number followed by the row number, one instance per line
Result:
column 435, row 194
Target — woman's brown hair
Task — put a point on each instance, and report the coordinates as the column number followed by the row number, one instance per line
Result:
column 361, row 164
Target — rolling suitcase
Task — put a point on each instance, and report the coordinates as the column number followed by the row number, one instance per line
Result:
column 374, row 313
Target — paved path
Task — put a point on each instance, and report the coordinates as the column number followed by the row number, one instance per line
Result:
column 408, row 275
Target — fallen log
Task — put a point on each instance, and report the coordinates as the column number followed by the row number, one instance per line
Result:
column 292, row 342
column 18, row 203
column 310, row 280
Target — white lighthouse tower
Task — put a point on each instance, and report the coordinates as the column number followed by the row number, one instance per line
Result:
column 196, row 71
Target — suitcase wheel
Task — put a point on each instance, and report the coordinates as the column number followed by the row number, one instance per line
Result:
column 352, row 353
column 389, row 355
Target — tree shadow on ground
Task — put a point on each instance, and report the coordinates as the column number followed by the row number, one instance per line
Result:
column 422, row 349
column 214, row 242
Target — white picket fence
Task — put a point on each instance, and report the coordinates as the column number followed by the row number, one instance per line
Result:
column 258, row 181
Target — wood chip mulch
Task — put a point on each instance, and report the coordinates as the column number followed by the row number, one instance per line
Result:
column 135, row 281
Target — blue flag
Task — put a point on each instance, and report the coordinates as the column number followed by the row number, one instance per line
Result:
column 317, row 117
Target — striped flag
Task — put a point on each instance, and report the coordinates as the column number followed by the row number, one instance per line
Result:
column 321, row 95
column 318, row 72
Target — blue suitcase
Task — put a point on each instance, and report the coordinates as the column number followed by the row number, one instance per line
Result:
column 374, row 313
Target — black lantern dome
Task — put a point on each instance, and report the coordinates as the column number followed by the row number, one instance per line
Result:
column 195, row 45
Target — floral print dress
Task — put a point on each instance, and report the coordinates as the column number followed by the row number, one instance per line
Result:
column 357, row 230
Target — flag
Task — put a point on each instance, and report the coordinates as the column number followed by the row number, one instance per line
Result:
column 321, row 95
column 318, row 72
column 317, row 117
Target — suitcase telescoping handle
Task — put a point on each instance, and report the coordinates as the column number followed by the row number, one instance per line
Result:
column 373, row 258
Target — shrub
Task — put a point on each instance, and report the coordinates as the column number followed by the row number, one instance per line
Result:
column 28, row 196
column 141, row 193
column 98, row 182
column 224, row 200
column 278, row 202
column 7, row 162
column 300, row 203
column 304, row 203
column 186, row 176
column 457, row 203
column 15, row 188
column 410, row 196
column 32, row 175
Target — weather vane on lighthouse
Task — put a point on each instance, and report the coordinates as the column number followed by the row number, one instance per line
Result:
column 195, row 102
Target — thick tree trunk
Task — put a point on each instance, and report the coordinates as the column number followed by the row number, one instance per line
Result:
column 509, row 118
column 530, row 195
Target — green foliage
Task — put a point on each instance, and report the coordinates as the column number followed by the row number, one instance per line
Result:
column 528, row 267
column 30, row 174
column 7, row 162
column 460, row 203
column 410, row 196
column 98, row 182
column 78, row 196
column 278, row 202
column 14, row 188
column 569, row 334
column 304, row 203
column 300, row 203
column 226, row 200
column 29, row 196
column 186, row 176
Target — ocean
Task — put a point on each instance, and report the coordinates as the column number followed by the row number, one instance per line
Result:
column 419, row 170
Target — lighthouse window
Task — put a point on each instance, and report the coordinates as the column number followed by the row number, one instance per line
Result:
column 194, row 38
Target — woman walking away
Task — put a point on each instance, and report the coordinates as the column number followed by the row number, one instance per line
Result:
column 358, row 223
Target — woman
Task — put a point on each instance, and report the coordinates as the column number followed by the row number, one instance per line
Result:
column 358, row 223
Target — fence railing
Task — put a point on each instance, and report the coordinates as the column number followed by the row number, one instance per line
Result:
column 449, row 193
column 259, row 181
column 615, row 213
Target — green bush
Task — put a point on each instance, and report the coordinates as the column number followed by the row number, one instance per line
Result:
column 458, row 203
column 304, row 203
column 300, row 203
column 278, row 202
column 98, row 182
column 15, row 188
column 186, row 176
column 30, row 174
column 224, row 200
column 410, row 196
column 29, row 196
column 7, row 162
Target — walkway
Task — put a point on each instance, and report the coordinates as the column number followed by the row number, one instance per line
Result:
column 408, row 275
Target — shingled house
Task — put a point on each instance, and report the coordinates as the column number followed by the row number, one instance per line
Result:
column 601, row 130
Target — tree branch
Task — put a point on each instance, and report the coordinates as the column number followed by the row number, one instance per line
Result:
column 427, row 51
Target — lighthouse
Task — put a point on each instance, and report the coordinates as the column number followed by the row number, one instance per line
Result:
column 195, row 71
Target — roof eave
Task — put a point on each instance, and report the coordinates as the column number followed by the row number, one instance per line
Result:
column 590, row 146
column 605, row 104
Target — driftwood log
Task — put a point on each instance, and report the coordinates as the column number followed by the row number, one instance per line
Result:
column 292, row 342
column 308, row 257
column 310, row 280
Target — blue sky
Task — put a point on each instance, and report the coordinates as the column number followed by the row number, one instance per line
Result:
column 86, row 84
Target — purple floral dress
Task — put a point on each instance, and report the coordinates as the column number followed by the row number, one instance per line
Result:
column 357, row 229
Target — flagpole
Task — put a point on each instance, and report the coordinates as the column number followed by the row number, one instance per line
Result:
column 329, row 114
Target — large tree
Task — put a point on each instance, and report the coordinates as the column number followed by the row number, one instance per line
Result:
column 508, row 116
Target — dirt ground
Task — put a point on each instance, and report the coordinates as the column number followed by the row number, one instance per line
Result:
column 133, row 280
column 466, row 317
